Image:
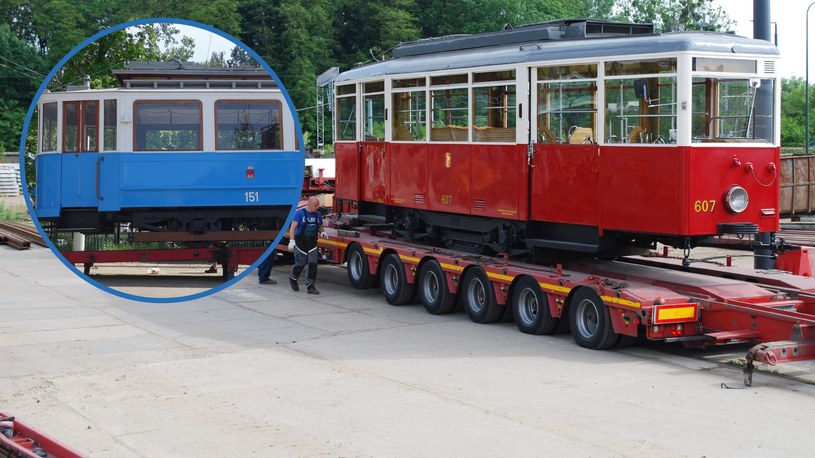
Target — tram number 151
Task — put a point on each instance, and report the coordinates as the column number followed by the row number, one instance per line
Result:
column 252, row 196
column 704, row 206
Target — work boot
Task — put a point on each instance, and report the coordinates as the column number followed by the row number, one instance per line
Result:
column 293, row 284
column 312, row 290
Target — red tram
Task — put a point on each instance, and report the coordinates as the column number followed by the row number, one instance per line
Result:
column 579, row 136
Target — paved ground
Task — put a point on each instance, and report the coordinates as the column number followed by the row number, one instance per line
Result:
column 263, row 371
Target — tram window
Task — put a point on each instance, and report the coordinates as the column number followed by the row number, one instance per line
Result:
column 167, row 125
column 346, row 118
column 641, row 110
column 450, row 115
column 567, row 112
column 377, row 86
column 732, row 110
column 568, row 72
column 503, row 75
column 409, row 110
column 48, row 136
column 374, row 106
column 494, row 114
column 448, row 79
column 80, row 132
column 348, row 89
column 248, row 125
column 410, row 82
column 109, row 134
column 641, row 67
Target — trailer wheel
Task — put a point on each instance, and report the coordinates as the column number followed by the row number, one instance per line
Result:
column 531, row 308
column 589, row 321
column 395, row 286
column 479, row 297
column 433, row 291
column 359, row 274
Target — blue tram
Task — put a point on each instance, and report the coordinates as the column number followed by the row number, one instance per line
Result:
column 215, row 150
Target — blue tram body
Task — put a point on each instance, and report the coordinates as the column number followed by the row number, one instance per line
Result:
column 229, row 160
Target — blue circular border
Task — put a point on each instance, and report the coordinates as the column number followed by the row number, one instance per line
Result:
column 33, row 106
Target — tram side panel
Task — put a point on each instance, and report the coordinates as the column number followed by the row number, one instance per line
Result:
column 643, row 187
column 348, row 170
column 498, row 180
column 448, row 180
column 163, row 180
column 408, row 175
column 717, row 170
column 49, row 191
column 375, row 172
column 566, row 184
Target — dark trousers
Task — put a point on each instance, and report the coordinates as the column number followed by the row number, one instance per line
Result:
column 265, row 267
column 300, row 261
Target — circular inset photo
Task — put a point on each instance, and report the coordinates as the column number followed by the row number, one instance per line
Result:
column 168, row 160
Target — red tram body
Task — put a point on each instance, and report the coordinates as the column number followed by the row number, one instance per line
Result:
column 584, row 136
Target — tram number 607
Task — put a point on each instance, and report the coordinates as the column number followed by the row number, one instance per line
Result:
column 252, row 196
column 446, row 199
column 704, row 206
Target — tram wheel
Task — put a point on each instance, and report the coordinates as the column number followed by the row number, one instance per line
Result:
column 434, row 293
column 589, row 321
column 395, row 286
column 478, row 297
column 359, row 274
column 531, row 308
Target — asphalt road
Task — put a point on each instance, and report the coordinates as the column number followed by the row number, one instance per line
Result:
column 264, row 371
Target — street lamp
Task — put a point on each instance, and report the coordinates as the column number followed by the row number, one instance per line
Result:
column 806, row 146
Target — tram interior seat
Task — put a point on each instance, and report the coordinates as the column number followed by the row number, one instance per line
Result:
column 448, row 134
column 403, row 133
column 636, row 135
column 546, row 135
column 494, row 134
column 581, row 135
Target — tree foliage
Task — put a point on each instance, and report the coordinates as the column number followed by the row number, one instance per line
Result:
column 299, row 39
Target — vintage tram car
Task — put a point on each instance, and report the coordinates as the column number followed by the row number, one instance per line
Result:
column 195, row 150
column 577, row 135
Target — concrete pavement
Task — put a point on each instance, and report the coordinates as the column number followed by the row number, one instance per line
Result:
column 264, row 371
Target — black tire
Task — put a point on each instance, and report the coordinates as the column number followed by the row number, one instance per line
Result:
column 433, row 291
column 589, row 321
column 395, row 286
column 478, row 297
column 531, row 308
column 359, row 274
column 624, row 340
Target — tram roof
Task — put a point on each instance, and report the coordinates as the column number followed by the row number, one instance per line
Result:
column 591, row 47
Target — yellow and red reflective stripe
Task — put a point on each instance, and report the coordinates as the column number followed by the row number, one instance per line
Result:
column 557, row 288
column 407, row 258
column 332, row 242
column 621, row 301
column 675, row 313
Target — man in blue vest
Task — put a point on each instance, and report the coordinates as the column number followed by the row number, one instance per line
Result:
column 306, row 227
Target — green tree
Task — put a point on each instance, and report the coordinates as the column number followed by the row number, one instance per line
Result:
column 674, row 15
column 793, row 112
column 22, row 69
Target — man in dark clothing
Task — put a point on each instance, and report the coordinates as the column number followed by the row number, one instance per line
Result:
column 265, row 269
column 305, row 229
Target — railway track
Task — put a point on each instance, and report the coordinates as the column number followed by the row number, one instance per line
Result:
column 19, row 235
column 802, row 234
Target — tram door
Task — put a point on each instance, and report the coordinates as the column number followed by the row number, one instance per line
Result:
column 565, row 166
column 80, row 154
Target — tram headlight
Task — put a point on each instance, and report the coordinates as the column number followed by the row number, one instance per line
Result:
column 736, row 199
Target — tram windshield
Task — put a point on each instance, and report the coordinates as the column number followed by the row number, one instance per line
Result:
column 733, row 110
